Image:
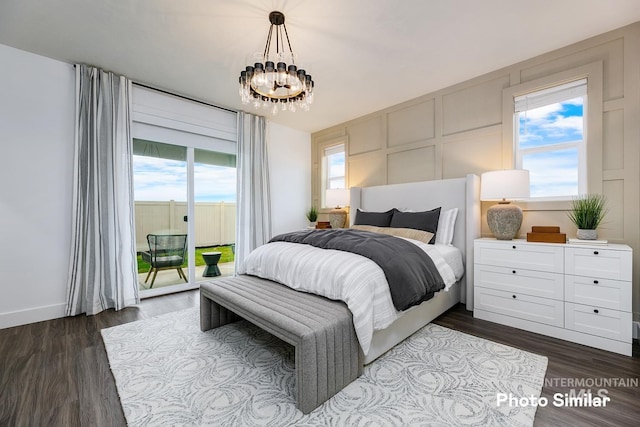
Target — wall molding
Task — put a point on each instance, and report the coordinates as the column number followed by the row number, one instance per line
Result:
column 32, row 315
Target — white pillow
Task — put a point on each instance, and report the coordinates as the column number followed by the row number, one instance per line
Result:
column 446, row 225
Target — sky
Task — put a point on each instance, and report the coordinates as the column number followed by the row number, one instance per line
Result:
column 157, row 179
column 552, row 173
column 336, row 168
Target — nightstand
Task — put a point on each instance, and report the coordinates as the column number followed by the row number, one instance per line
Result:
column 576, row 292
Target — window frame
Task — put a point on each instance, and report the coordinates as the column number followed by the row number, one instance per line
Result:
column 590, row 177
column 580, row 145
column 322, row 169
column 329, row 151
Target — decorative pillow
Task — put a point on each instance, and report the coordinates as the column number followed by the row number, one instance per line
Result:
column 409, row 233
column 426, row 221
column 446, row 225
column 379, row 219
column 363, row 227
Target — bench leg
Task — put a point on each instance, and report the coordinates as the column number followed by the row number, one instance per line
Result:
column 213, row 315
column 205, row 313
column 310, row 394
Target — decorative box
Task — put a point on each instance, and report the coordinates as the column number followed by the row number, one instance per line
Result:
column 546, row 234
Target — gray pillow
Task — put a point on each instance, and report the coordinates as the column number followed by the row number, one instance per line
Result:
column 379, row 219
column 426, row 221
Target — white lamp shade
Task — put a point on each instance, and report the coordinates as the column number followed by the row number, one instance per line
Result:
column 512, row 184
column 337, row 197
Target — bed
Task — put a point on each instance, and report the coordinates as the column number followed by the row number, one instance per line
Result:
column 460, row 193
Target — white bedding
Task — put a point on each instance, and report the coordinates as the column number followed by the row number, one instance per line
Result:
column 453, row 257
column 338, row 275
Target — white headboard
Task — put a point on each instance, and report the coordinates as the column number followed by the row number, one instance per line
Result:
column 461, row 193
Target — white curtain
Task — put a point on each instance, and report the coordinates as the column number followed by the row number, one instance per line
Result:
column 103, row 267
column 253, row 224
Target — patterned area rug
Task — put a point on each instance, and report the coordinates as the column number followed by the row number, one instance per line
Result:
column 168, row 372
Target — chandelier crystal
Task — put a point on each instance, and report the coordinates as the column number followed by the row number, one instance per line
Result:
column 274, row 81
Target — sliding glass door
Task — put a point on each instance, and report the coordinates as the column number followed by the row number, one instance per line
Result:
column 185, row 215
column 214, row 214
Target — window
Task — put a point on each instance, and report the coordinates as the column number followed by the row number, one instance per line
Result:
column 333, row 168
column 550, row 139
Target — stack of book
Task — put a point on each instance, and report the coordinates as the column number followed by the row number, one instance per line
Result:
column 546, row 234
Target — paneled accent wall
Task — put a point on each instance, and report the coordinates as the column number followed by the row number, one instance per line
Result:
column 461, row 129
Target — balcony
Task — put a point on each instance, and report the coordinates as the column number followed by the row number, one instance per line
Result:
column 214, row 231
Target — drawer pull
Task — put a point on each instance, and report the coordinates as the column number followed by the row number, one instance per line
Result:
column 514, row 297
column 595, row 282
column 514, row 246
column 595, row 252
column 596, row 311
column 514, row 272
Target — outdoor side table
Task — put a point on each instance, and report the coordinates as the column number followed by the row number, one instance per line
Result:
column 211, row 259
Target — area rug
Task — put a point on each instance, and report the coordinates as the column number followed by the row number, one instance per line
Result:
column 168, row 372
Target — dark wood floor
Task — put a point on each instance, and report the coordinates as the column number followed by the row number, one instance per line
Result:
column 566, row 360
column 56, row 373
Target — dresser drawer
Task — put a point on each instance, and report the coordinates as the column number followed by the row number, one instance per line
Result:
column 520, row 255
column 527, row 307
column 602, row 322
column 529, row 282
column 596, row 262
column 605, row 293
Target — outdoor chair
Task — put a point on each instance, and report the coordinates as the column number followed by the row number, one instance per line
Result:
column 166, row 251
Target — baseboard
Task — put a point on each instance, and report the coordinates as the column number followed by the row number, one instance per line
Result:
column 636, row 330
column 31, row 315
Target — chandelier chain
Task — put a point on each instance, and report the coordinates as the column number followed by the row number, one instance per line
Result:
column 289, row 43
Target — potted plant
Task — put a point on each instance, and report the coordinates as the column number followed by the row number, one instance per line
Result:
column 312, row 216
column 587, row 213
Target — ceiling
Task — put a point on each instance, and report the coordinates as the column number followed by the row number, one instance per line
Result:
column 364, row 55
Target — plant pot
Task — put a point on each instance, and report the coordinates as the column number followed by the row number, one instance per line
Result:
column 583, row 234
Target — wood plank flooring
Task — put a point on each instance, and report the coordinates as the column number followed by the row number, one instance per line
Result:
column 566, row 361
column 56, row 373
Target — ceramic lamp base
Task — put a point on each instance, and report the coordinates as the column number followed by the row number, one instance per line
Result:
column 504, row 220
column 337, row 218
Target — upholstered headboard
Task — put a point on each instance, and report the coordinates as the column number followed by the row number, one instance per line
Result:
column 461, row 193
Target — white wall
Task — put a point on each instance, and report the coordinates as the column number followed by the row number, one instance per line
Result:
column 289, row 153
column 36, row 139
column 36, row 172
column 467, row 128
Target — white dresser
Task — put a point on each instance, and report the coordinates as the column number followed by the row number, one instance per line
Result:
column 576, row 292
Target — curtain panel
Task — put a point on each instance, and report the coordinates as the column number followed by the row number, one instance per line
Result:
column 103, row 266
column 253, row 223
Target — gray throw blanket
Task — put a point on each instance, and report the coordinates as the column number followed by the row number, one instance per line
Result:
column 411, row 274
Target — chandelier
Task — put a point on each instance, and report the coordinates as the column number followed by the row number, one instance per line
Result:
column 270, row 82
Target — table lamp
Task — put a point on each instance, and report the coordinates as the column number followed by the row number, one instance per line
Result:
column 505, row 219
column 337, row 197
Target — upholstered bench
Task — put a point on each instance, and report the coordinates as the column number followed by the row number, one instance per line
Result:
column 327, row 353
